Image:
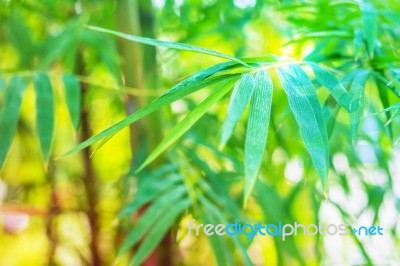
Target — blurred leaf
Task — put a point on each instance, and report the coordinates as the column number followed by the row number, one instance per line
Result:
column 9, row 115
column 20, row 37
column 240, row 97
column 173, row 45
column 357, row 102
column 187, row 123
column 213, row 210
column 390, row 108
column 152, row 216
column 158, row 231
column 275, row 212
column 307, row 111
column 73, row 98
column 370, row 26
column 218, row 243
column 358, row 43
column 329, row 81
column 44, row 113
column 58, row 46
column 155, row 105
column 148, row 192
column 257, row 129
column 384, row 97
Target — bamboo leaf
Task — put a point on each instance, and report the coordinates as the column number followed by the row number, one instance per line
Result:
column 391, row 108
column 218, row 214
column 383, row 95
column 73, row 98
column 149, row 192
column 240, row 97
column 164, row 204
column 329, row 81
column 217, row 243
column 172, row 45
column 155, row 105
column 199, row 76
column 9, row 115
column 160, row 228
column 307, row 111
column 187, row 123
column 257, row 129
column 370, row 26
column 357, row 102
column 44, row 113
column 20, row 36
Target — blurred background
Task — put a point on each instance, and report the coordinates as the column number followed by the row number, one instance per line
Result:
column 67, row 211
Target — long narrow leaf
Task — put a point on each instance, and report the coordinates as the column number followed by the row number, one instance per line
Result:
column 164, row 203
column 9, row 115
column 187, row 123
column 357, row 103
column 44, row 113
column 159, row 230
column 149, row 192
column 73, row 97
column 308, row 113
column 241, row 95
column 158, row 103
column 329, row 81
column 257, row 129
column 370, row 26
column 199, row 76
column 383, row 94
column 172, row 45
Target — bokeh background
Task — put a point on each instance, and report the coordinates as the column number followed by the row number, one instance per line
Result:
column 67, row 210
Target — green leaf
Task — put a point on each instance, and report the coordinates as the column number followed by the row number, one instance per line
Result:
column 20, row 37
column 2, row 85
column 57, row 47
column 307, row 111
column 383, row 95
column 218, row 214
column 9, row 115
column 329, row 81
column 168, row 98
column 370, row 26
column 357, row 102
column 73, row 98
column 187, row 123
column 257, row 129
column 217, row 242
column 199, row 76
column 391, row 108
column 160, row 228
column 240, row 97
column 149, row 192
column 358, row 43
column 44, row 113
column 151, row 216
column 173, row 45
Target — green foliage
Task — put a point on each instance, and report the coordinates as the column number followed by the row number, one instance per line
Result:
column 73, row 98
column 257, row 129
column 45, row 113
column 340, row 72
column 9, row 115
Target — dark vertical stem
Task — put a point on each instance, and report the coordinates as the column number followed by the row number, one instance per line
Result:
column 89, row 180
column 52, row 212
column 139, row 70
